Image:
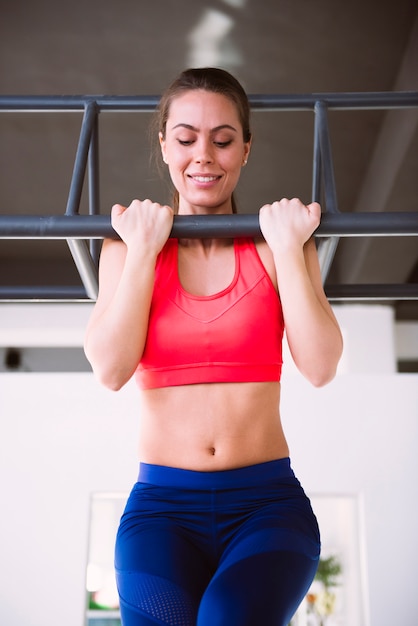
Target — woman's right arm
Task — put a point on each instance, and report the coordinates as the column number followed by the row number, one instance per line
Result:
column 117, row 329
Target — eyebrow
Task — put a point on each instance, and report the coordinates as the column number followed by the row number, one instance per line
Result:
column 213, row 130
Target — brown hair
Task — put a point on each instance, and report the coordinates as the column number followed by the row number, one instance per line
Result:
column 210, row 79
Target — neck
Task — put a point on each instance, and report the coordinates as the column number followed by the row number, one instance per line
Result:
column 184, row 208
column 205, row 244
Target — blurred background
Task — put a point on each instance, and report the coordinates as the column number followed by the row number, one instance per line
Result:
column 66, row 443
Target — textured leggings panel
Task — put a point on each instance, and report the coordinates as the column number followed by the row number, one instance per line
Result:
column 155, row 600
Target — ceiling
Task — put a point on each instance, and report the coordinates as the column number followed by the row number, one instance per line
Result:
column 135, row 47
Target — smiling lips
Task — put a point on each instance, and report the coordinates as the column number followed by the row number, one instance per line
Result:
column 204, row 179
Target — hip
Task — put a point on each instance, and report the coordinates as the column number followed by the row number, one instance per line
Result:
column 227, row 505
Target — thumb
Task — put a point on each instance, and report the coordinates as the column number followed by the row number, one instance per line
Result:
column 117, row 211
column 315, row 210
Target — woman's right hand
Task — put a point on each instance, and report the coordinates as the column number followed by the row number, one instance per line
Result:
column 143, row 223
column 117, row 330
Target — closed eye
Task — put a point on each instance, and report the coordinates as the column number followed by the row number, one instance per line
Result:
column 218, row 144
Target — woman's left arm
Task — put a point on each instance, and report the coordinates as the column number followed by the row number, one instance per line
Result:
column 312, row 330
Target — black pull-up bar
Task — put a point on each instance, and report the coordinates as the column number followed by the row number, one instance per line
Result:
column 75, row 228
column 205, row 226
column 258, row 102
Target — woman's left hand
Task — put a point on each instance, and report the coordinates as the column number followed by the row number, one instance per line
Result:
column 312, row 331
column 289, row 223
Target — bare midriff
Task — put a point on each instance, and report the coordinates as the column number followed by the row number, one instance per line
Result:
column 212, row 427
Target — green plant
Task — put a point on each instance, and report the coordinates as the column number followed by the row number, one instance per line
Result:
column 328, row 572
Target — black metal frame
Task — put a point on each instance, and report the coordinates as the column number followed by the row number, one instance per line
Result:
column 76, row 229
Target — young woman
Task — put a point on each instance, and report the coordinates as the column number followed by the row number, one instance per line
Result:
column 217, row 530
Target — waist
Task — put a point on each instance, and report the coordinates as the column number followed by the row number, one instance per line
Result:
column 242, row 477
column 212, row 427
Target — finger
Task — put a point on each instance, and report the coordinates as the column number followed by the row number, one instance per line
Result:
column 265, row 207
column 168, row 208
column 118, row 209
column 314, row 207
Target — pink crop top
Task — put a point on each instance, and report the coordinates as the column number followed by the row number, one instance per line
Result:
column 231, row 336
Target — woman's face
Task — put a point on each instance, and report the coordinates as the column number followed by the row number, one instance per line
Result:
column 205, row 150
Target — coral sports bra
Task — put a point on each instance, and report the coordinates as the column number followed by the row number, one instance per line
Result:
column 231, row 336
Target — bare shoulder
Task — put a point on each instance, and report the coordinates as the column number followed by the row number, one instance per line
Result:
column 113, row 248
column 267, row 259
column 112, row 260
column 311, row 261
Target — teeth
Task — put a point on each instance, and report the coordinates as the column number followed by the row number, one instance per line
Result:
column 205, row 179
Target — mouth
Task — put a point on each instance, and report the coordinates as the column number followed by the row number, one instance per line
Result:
column 204, row 179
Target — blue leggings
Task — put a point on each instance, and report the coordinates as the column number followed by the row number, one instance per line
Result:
column 231, row 548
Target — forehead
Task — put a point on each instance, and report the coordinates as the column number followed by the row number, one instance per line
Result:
column 202, row 109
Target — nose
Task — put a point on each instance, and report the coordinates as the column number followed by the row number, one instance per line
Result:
column 204, row 153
